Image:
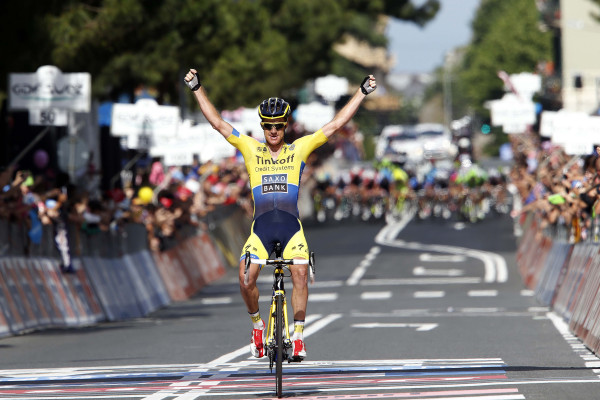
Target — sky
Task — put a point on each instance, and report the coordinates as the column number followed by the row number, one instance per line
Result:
column 423, row 49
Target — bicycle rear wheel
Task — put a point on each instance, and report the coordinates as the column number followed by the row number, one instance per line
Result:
column 279, row 347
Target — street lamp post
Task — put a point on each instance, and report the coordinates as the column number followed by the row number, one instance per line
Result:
column 448, row 64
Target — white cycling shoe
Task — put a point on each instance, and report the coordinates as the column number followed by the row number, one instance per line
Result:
column 257, row 347
column 299, row 349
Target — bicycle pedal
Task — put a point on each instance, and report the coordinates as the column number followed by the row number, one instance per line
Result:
column 295, row 359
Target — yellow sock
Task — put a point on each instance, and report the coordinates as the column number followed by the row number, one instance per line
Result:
column 256, row 320
column 298, row 329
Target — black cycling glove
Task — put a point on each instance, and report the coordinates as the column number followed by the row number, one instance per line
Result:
column 365, row 87
column 194, row 84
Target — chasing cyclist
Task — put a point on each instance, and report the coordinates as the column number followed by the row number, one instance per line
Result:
column 275, row 168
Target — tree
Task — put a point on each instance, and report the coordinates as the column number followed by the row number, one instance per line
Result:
column 505, row 37
column 244, row 50
column 596, row 15
column 25, row 43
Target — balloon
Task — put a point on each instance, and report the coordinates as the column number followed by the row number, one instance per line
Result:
column 40, row 158
column 145, row 194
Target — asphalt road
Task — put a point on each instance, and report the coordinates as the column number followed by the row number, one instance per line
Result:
column 414, row 310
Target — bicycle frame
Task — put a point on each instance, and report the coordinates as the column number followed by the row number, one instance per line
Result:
column 277, row 342
column 278, row 291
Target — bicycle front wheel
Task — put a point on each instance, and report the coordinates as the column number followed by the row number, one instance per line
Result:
column 279, row 346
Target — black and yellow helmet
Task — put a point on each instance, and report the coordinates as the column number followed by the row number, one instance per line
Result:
column 273, row 107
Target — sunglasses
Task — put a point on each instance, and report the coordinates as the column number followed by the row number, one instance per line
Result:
column 268, row 125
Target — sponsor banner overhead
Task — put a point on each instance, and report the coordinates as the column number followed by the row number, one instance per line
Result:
column 512, row 110
column 331, row 87
column 145, row 117
column 49, row 88
column 314, row 115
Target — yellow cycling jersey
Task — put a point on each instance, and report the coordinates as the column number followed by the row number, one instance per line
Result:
column 275, row 182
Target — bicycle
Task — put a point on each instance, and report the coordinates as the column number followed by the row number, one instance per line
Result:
column 277, row 341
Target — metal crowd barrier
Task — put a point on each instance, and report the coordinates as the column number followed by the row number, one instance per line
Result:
column 115, row 274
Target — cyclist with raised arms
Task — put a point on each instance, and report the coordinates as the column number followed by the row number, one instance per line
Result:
column 275, row 169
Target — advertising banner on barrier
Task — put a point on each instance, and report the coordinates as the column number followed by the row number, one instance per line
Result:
column 141, row 289
column 179, row 263
column 206, row 252
column 571, row 284
column 146, row 278
column 122, row 282
column 4, row 329
column 551, row 271
column 593, row 338
column 39, row 280
column 83, row 288
column 76, row 295
column 29, row 290
column 581, row 320
column 577, row 304
column 11, row 278
column 175, row 280
column 190, row 266
column 591, row 302
column 102, row 287
column 9, row 307
column 150, row 272
column 59, row 295
column 119, row 300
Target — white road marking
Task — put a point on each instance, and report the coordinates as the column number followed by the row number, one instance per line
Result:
column 459, row 226
column 359, row 272
column 246, row 348
column 322, row 297
column 538, row 309
column 442, row 258
column 375, row 295
column 419, row 281
column 495, row 268
column 327, row 284
column 419, row 327
column 431, row 294
column 399, row 364
column 216, row 300
column 480, row 310
column 591, row 360
column 482, row 293
column 422, row 271
column 527, row 293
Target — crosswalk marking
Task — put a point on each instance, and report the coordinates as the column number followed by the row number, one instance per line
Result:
column 469, row 379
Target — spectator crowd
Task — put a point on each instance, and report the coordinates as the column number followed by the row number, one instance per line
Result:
column 164, row 199
column 560, row 191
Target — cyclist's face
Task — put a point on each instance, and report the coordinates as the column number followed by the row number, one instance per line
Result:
column 274, row 131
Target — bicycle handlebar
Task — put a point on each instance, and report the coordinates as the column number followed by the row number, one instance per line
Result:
column 281, row 262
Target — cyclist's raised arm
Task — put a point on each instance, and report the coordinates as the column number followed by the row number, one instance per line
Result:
column 207, row 108
column 344, row 116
